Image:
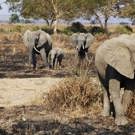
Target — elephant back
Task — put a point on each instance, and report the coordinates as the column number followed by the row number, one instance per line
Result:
column 44, row 37
column 116, row 53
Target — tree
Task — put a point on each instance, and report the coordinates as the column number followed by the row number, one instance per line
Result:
column 14, row 18
column 1, row 4
column 50, row 10
column 129, row 9
column 105, row 8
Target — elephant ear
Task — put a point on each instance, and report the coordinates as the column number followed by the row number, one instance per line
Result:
column 74, row 39
column 27, row 37
column 89, row 40
column 120, row 59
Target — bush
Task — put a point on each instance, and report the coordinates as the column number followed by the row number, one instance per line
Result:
column 76, row 27
column 18, row 28
column 35, row 28
column 47, row 29
column 96, row 30
column 14, row 18
column 131, row 109
column 67, row 31
column 73, row 93
column 128, row 28
column 123, row 29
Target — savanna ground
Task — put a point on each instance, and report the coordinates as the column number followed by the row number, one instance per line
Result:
column 51, row 102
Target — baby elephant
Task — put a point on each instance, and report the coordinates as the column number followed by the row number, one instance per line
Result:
column 55, row 57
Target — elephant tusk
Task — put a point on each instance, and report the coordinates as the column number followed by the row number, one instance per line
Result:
column 36, row 50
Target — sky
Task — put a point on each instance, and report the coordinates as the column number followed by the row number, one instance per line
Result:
column 5, row 14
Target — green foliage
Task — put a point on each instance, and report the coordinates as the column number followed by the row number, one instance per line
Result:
column 76, row 27
column 96, row 30
column 67, row 31
column 47, row 29
column 129, row 9
column 123, row 29
column 2, row 30
column 18, row 28
column 14, row 18
column 35, row 28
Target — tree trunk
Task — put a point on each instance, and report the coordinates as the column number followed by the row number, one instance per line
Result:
column 47, row 22
column 106, row 26
column 98, row 18
column 55, row 25
column 51, row 23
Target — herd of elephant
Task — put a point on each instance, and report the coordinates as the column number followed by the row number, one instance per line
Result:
column 40, row 43
column 114, row 61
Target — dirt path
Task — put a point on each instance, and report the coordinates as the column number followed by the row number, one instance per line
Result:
column 26, row 91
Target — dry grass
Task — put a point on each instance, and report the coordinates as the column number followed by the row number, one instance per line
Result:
column 73, row 93
column 62, row 41
column 11, row 37
column 131, row 110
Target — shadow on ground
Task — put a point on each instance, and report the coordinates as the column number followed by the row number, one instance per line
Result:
column 75, row 127
column 15, row 67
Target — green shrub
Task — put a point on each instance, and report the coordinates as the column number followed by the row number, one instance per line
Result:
column 2, row 30
column 18, row 28
column 67, row 31
column 47, row 29
column 76, row 27
column 34, row 28
column 96, row 30
column 123, row 29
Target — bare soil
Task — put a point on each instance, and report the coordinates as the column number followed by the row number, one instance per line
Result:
column 22, row 111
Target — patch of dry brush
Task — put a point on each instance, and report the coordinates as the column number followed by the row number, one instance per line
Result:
column 131, row 110
column 75, row 92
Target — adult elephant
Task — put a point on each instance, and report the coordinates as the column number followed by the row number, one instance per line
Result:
column 37, row 42
column 82, row 42
column 115, row 63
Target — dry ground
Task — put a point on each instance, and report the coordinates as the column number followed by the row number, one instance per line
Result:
column 22, row 111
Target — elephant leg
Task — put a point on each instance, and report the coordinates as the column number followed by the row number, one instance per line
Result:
column 30, row 57
column 56, row 63
column 126, row 100
column 43, row 55
column 60, row 61
column 106, row 103
column 34, row 59
column 87, row 59
column 53, row 62
column 114, row 89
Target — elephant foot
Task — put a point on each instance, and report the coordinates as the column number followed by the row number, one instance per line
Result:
column 121, row 120
column 105, row 113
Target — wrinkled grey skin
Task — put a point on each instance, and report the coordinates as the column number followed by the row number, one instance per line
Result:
column 37, row 42
column 115, row 63
column 55, row 57
column 82, row 42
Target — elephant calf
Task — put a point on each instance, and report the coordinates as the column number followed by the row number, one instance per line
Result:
column 38, row 43
column 115, row 63
column 55, row 57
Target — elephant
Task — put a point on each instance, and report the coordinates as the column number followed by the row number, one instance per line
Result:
column 115, row 64
column 55, row 57
column 82, row 42
column 37, row 42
